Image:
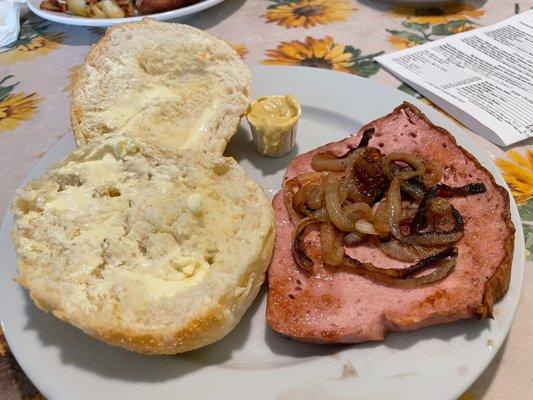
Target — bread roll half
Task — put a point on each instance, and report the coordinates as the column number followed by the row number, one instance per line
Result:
column 171, row 85
column 154, row 254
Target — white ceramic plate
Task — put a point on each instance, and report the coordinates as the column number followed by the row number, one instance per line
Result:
column 69, row 19
column 438, row 362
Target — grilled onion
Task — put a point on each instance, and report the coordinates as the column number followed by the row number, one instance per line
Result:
column 394, row 209
column 358, row 210
column 299, row 254
column 439, row 217
column 381, row 218
column 334, row 207
column 308, row 200
column 331, row 243
column 367, row 135
column 327, row 162
column 366, row 227
column 403, row 277
column 423, row 239
column 340, row 199
column 418, row 166
column 315, row 197
column 330, row 162
column 288, row 191
column 406, row 252
column 364, row 177
column 433, row 174
column 353, row 238
column 452, row 235
column 414, row 188
column 288, row 196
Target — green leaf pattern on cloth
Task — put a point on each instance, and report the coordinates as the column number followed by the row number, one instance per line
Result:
column 526, row 215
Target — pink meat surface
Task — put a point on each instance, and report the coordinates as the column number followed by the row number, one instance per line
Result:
column 329, row 305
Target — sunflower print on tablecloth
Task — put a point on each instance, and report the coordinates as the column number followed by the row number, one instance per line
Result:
column 307, row 13
column 241, row 49
column 34, row 41
column 425, row 24
column 440, row 14
column 15, row 107
column 517, row 170
column 71, row 75
column 323, row 53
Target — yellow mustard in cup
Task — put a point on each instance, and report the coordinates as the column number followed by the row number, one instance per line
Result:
column 273, row 121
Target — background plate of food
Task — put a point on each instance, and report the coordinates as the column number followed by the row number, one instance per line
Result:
column 111, row 12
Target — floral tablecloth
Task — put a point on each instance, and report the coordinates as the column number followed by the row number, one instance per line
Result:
column 344, row 35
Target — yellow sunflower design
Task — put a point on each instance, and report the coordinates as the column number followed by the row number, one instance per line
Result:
column 425, row 24
column 307, row 13
column 240, row 49
column 34, row 41
column 15, row 107
column 323, row 53
column 517, row 170
column 71, row 74
column 438, row 15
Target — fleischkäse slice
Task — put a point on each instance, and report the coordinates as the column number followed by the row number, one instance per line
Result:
column 328, row 305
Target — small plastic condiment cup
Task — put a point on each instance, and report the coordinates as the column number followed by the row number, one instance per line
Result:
column 287, row 140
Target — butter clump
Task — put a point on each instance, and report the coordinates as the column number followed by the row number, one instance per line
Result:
column 194, row 203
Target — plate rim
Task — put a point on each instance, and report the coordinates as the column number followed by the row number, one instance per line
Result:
column 519, row 249
column 68, row 19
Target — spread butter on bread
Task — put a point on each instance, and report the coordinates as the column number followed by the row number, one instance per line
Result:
column 151, row 253
column 168, row 84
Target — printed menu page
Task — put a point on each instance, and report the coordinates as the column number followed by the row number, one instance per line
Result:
column 484, row 77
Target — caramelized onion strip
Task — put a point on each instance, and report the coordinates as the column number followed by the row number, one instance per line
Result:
column 367, row 135
column 350, row 180
column 364, row 177
column 405, row 251
column 334, row 207
column 381, row 218
column 414, row 188
column 298, row 252
column 433, row 174
column 315, row 197
column 358, row 210
column 307, row 177
column 394, row 208
column 327, row 162
column 288, row 191
column 353, row 238
column 288, row 196
column 330, row 162
column 365, row 227
column 444, row 191
column 418, row 166
column 308, row 200
column 423, row 239
column 443, row 263
column 331, row 244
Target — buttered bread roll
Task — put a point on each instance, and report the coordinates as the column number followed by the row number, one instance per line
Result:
column 157, row 255
column 168, row 84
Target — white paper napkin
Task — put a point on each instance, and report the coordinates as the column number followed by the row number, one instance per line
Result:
column 9, row 20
